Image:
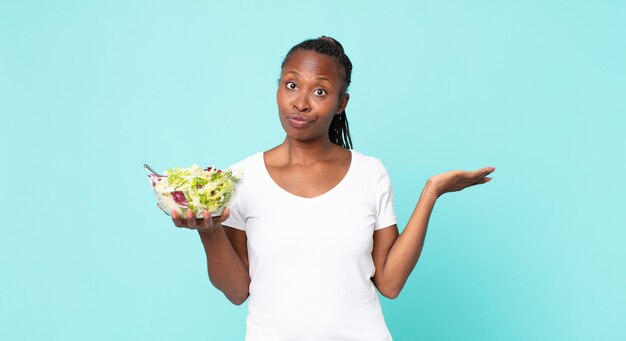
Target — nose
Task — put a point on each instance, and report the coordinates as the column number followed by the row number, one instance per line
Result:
column 301, row 103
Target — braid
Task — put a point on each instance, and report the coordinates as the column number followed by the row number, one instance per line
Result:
column 338, row 133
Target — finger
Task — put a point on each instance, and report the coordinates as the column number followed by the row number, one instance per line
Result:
column 217, row 220
column 478, row 174
column 191, row 220
column 176, row 219
column 482, row 172
column 484, row 180
column 207, row 222
column 225, row 215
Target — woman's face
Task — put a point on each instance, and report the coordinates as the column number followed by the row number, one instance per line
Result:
column 310, row 93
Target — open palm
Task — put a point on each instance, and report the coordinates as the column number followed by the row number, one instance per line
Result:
column 457, row 180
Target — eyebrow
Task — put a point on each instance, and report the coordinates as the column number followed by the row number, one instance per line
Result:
column 324, row 78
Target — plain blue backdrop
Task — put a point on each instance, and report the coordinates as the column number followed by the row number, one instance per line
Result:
column 89, row 91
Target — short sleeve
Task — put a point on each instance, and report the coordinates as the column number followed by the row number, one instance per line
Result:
column 385, row 214
column 237, row 218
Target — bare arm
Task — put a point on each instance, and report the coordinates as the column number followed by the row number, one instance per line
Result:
column 226, row 253
column 395, row 255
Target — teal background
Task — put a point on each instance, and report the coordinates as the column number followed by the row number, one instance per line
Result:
column 89, row 91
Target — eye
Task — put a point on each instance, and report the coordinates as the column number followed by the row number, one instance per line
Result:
column 320, row 92
column 291, row 85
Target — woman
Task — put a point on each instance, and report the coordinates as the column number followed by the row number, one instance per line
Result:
column 313, row 234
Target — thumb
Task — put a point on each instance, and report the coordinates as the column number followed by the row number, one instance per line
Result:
column 225, row 214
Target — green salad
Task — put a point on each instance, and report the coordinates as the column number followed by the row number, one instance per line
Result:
column 196, row 189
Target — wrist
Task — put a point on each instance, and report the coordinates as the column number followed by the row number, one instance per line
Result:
column 431, row 189
column 208, row 233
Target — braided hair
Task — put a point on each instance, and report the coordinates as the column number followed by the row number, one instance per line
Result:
column 339, row 132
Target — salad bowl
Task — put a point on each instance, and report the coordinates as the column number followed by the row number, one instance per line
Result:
column 196, row 189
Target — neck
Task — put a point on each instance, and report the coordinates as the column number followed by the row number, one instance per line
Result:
column 306, row 153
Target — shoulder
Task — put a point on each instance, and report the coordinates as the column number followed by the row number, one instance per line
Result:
column 371, row 169
column 367, row 162
column 247, row 170
column 247, row 162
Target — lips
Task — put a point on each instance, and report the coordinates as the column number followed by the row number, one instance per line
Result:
column 298, row 121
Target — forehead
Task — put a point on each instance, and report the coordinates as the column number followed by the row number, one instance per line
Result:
column 307, row 61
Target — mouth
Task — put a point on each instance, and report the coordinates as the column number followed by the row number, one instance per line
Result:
column 298, row 121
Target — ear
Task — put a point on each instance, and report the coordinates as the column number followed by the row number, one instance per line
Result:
column 343, row 103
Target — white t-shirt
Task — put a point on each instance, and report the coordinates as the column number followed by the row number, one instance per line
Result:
column 311, row 258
